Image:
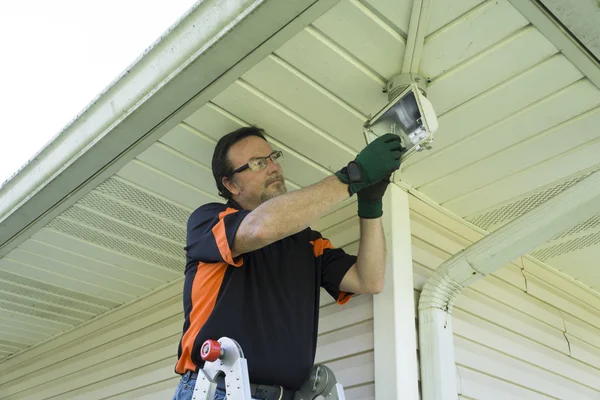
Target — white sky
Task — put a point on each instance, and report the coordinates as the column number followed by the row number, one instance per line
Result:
column 57, row 55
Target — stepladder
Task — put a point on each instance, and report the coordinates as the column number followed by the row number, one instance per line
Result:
column 225, row 357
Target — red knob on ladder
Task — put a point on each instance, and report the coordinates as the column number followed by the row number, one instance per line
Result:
column 211, row 350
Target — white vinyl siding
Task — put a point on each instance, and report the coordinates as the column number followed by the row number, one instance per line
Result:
column 131, row 352
column 524, row 332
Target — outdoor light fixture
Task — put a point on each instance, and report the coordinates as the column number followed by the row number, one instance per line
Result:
column 408, row 114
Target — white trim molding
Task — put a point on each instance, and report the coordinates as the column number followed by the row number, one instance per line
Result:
column 396, row 367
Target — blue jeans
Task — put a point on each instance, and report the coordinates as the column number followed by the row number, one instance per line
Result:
column 185, row 389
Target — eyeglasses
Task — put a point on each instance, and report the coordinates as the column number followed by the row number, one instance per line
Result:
column 259, row 163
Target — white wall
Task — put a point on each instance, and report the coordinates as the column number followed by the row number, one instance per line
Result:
column 131, row 353
column 524, row 332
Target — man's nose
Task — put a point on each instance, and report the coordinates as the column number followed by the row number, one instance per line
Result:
column 272, row 166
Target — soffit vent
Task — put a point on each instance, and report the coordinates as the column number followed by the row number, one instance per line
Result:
column 556, row 250
column 494, row 219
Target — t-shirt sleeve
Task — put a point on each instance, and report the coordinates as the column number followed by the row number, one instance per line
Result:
column 334, row 263
column 210, row 233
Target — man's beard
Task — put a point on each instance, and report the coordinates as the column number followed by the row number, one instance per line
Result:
column 272, row 191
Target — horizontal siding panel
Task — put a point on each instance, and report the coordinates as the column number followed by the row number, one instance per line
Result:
column 582, row 330
column 347, row 341
column 562, row 300
column 524, row 349
column 494, row 363
column 476, row 385
column 334, row 316
column 356, row 370
column 511, row 319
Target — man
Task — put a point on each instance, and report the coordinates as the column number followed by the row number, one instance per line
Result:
column 255, row 268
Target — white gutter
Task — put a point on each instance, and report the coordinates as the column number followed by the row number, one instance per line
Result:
column 438, row 369
column 215, row 43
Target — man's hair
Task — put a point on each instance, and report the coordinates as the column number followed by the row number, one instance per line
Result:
column 221, row 166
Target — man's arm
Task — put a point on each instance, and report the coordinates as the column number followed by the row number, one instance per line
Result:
column 366, row 276
column 287, row 214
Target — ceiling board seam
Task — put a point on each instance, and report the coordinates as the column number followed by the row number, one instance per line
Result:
column 197, row 132
column 179, row 181
column 185, row 157
column 484, row 53
column 40, row 318
column 19, row 332
column 383, row 18
column 337, row 48
column 377, row 18
column 149, row 192
column 128, row 225
column 525, row 141
column 277, row 143
column 519, row 113
column 7, row 258
column 33, row 299
column 93, row 301
column 269, row 100
column 52, row 331
column 489, row 4
column 114, row 236
column 40, row 292
column 80, row 269
column 101, row 248
column 491, row 90
column 110, row 326
column 14, row 338
column 293, row 70
column 158, row 281
column 547, row 160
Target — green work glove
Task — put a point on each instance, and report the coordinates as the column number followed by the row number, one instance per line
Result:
column 377, row 160
column 370, row 199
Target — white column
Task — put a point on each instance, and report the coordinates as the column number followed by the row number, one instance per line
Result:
column 396, row 369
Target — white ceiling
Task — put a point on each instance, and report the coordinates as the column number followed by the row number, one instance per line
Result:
column 516, row 120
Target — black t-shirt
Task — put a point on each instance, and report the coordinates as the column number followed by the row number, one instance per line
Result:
column 267, row 300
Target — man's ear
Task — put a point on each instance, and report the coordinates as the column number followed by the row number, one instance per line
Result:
column 231, row 185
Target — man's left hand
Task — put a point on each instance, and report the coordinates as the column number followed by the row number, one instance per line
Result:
column 370, row 199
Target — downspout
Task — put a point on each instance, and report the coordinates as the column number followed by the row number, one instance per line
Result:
column 438, row 369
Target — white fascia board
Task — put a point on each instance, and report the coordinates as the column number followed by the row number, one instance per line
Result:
column 560, row 37
column 211, row 46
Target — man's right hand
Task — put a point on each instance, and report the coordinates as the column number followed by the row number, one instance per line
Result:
column 376, row 161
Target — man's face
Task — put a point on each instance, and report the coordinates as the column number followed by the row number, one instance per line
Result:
column 255, row 187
